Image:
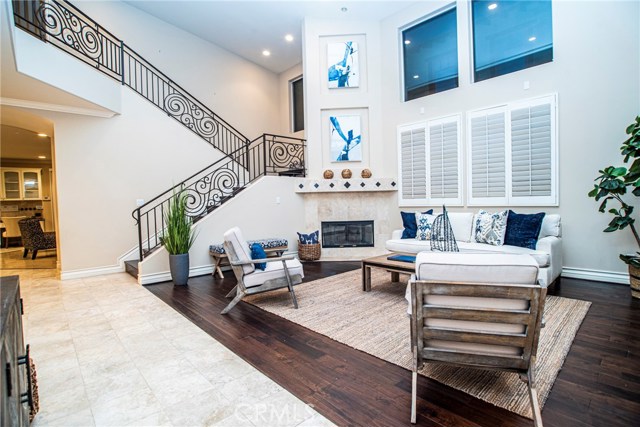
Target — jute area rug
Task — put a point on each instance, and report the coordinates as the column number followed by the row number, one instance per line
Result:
column 376, row 322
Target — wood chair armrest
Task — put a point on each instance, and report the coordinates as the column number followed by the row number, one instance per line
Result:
column 254, row 261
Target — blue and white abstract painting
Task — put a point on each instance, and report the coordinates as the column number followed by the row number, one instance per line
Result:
column 344, row 67
column 346, row 138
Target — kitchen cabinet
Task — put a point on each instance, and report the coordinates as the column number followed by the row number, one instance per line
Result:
column 14, row 378
column 21, row 184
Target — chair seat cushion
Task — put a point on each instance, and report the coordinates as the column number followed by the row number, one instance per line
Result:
column 274, row 270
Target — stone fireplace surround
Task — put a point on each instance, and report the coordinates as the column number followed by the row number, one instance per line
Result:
column 379, row 206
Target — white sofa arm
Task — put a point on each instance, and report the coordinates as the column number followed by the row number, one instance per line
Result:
column 553, row 246
column 396, row 234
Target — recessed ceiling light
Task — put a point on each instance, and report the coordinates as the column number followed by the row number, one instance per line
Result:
column 266, row 52
column 416, row 76
column 43, row 135
column 532, row 38
column 42, row 157
column 407, row 42
column 492, row 6
column 288, row 38
column 343, row 9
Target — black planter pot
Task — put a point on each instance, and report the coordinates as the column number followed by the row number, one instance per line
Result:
column 179, row 266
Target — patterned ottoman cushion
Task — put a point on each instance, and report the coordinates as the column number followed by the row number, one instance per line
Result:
column 271, row 242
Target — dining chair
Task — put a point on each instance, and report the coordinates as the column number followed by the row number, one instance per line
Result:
column 11, row 228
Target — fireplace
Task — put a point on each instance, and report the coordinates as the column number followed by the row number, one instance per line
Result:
column 347, row 234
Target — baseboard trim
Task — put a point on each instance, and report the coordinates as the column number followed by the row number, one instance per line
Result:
column 164, row 276
column 90, row 272
column 597, row 275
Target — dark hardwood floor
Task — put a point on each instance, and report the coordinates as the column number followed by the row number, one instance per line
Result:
column 599, row 384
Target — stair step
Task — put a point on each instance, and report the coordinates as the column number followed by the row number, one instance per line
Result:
column 131, row 267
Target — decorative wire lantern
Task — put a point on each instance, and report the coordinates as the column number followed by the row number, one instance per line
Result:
column 442, row 238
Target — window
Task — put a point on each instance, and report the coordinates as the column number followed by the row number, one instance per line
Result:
column 512, row 155
column 297, row 105
column 509, row 36
column 430, row 162
column 430, row 55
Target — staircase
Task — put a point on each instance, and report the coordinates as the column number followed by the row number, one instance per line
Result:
column 64, row 26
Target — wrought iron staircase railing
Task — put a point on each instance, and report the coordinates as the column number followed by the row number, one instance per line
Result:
column 211, row 187
column 63, row 25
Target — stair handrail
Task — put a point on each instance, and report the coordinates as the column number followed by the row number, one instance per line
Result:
column 65, row 26
column 212, row 186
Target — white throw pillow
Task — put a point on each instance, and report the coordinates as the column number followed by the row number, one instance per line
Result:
column 425, row 224
column 490, row 228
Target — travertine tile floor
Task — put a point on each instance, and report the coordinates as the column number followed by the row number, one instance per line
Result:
column 109, row 353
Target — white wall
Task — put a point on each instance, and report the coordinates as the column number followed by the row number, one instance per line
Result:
column 242, row 93
column 595, row 74
column 103, row 165
column 267, row 208
column 364, row 100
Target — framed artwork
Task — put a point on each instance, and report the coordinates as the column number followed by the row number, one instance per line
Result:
column 344, row 65
column 345, row 138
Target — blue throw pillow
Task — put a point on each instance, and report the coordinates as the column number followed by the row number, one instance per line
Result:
column 257, row 252
column 309, row 239
column 410, row 224
column 523, row 229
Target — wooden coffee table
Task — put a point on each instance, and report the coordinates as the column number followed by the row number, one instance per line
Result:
column 394, row 267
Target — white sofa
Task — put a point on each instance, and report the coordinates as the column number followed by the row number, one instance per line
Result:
column 548, row 252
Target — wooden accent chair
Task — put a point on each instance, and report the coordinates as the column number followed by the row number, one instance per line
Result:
column 280, row 272
column 11, row 229
column 476, row 310
column 33, row 238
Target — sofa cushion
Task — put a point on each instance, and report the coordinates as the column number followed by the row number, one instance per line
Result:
column 542, row 258
column 551, row 226
column 461, row 224
column 523, row 229
column 410, row 224
column 273, row 270
column 476, row 267
column 490, row 228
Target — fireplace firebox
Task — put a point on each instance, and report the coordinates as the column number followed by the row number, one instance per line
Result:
column 347, row 234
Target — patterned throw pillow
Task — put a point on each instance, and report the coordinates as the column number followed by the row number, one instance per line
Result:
column 490, row 228
column 409, row 223
column 424, row 223
column 309, row 239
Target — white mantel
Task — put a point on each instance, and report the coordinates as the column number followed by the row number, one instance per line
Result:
column 352, row 185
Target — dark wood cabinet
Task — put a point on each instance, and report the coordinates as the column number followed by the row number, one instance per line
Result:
column 14, row 362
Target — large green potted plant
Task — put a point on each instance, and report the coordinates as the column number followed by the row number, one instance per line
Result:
column 178, row 237
column 612, row 186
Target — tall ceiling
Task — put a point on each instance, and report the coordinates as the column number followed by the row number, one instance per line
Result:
column 246, row 28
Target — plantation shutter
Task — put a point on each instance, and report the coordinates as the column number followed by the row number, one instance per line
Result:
column 531, row 152
column 487, row 158
column 413, row 173
column 444, row 161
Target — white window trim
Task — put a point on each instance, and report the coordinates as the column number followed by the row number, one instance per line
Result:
column 509, row 200
column 291, row 104
column 401, row 129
